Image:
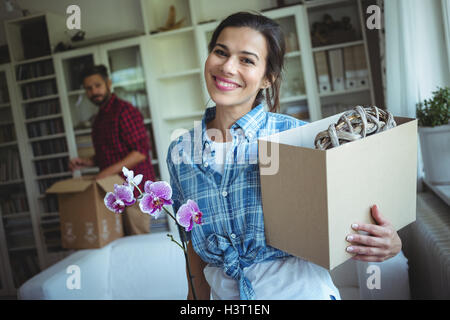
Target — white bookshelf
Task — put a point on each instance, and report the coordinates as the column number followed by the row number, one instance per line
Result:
column 12, row 223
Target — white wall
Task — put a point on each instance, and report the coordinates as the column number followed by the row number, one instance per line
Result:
column 98, row 17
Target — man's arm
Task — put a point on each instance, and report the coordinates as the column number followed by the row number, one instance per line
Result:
column 130, row 161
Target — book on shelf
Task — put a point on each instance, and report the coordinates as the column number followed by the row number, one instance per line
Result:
column 4, row 93
column 5, row 116
column 50, row 166
column 42, row 108
column 45, row 128
column 39, row 89
column 7, row 133
column 50, row 203
column 10, row 168
column 14, row 203
column 34, row 70
column 47, row 147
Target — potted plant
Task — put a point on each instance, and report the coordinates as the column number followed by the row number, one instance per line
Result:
column 434, row 131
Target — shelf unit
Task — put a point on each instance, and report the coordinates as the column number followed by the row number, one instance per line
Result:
column 19, row 234
column 162, row 74
column 45, row 137
column 39, row 121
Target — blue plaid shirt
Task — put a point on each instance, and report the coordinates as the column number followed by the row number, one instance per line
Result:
column 231, row 235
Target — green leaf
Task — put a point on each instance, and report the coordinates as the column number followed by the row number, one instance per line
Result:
column 435, row 111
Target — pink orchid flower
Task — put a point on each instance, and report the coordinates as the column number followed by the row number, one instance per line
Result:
column 189, row 213
column 131, row 179
column 157, row 194
column 121, row 197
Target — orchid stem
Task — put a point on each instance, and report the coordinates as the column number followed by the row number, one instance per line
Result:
column 137, row 188
column 188, row 265
column 170, row 214
column 171, row 238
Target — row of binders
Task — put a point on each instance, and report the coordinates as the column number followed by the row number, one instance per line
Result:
column 341, row 69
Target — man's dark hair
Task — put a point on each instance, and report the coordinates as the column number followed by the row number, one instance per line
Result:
column 98, row 69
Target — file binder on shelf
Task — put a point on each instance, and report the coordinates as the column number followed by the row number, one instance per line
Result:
column 320, row 58
column 361, row 70
column 337, row 69
column 350, row 71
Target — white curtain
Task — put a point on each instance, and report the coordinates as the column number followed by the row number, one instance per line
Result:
column 417, row 54
column 446, row 18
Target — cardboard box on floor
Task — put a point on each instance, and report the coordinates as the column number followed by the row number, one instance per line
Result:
column 311, row 197
column 85, row 221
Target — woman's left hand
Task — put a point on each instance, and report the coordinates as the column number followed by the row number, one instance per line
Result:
column 381, row 243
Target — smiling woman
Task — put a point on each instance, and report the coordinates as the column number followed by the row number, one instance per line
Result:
column 234, row 73
column 228, row 251
column 228, row 254
column 262, row 46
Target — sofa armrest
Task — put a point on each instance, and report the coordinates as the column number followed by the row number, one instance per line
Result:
column 52, row 283
column 149, row 267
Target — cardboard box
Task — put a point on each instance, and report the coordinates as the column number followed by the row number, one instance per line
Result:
column 311, row 197
column 85, row 221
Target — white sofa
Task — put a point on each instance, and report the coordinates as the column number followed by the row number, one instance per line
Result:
column 152, row 267
column 136, row 267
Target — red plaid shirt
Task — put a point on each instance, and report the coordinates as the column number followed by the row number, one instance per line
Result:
column 119, row 129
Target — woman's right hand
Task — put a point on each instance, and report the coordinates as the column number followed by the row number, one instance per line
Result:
column 78, row 163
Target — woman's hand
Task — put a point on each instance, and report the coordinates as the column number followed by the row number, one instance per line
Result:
column 381, row 243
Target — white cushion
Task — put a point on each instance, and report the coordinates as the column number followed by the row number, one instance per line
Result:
column 147, row 267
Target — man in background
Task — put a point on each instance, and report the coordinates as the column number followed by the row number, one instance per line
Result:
column 120, row 140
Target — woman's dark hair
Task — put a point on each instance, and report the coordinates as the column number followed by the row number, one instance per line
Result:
column 98, row 69
column 276, row 48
